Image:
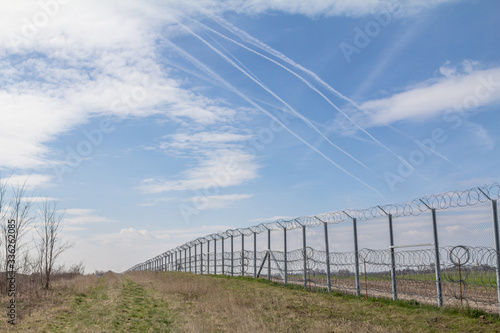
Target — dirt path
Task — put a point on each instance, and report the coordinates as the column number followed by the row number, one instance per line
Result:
column 113, row 303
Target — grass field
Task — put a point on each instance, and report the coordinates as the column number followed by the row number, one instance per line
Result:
column 487, row 278
column 181, row 302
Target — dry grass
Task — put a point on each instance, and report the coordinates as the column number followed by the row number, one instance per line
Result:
column 218, row 304
column 181, row 302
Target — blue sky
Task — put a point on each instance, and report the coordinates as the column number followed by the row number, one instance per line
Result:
column 157, row 122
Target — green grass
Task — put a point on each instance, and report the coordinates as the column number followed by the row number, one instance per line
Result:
column 482, row 279
column 408, row 304
column 124, row 307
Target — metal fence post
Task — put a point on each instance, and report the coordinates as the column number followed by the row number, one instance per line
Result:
column 232, row 256
column 285, row 255
column 327, row 250
column 356, row 254
column 201, row 258
column 242, row 254
column 223, row 255
column 269, row 256
column 305, row 254
column 195, row 259
column 215, row 256
column 254, row 254
column 497, row 244
column 208, row 257
column 438, row 263
column 393, row 257
column 185, row 259
column 176, row 266
column 190, row 261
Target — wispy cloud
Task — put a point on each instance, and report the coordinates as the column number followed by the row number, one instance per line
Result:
column 32, row 181
column 432, row 98
column 221, row 162
column 86, row 61
column 218, row 201
column 38, row 199
column 235, row 166
column 82, row 217
column 325, row 7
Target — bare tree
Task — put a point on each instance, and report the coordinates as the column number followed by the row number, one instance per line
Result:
column 3, row 210
column 50, row 246
column 19, row 210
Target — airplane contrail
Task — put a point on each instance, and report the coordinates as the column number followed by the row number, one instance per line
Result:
column 252, row 40
column 263, row 86
column 230, row 87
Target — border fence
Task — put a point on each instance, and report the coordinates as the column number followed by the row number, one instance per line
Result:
column 442, row 249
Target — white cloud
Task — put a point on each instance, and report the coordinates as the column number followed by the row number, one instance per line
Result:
column 82, row 217
column 221, row 162
column 430, row 99
column 217, row 201
column 92, row 59
column 447, row 69
column 32, row 181
column 90, row 54
column 38, row 199
column 326, row 7
column 203, row 139
column 216, row 169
